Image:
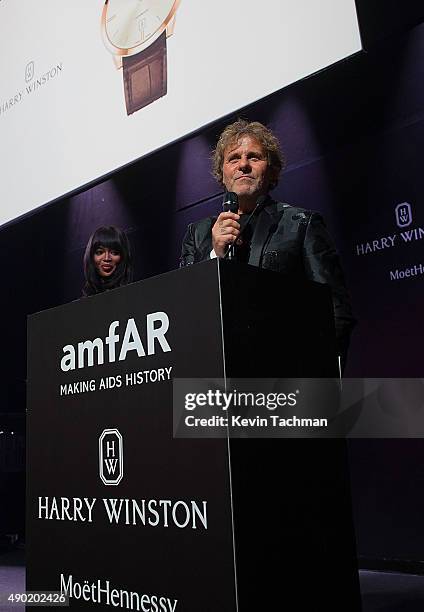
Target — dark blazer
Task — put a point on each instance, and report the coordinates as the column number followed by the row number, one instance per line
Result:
column 291, row 240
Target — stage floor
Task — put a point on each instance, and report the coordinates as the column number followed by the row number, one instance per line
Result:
column 381, row 591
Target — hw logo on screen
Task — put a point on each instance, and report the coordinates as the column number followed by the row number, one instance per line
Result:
column 403, row 213
column 111, row 457
column 29, row 71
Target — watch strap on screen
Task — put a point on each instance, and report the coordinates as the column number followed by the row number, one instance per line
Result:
column 145, row 75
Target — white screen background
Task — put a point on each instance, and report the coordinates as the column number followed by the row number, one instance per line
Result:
column 73, row 127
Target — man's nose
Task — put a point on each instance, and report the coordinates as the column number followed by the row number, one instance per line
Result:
column 244, row 163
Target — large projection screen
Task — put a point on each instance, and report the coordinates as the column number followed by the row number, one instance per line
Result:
column 70, row 114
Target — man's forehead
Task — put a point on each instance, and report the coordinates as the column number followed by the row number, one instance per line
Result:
column 244, row 142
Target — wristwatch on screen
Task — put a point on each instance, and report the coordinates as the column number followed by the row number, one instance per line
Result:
column 135, row 32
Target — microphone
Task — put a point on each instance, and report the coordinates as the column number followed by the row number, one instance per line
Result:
column 230, row 202
column 259, row 204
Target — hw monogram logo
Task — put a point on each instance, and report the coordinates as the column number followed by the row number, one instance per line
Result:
column 29, row 71
column 403, row 213
column 111, row 457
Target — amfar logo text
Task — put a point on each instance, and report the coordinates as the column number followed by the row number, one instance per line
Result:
column 89, row 352
column 111, row 457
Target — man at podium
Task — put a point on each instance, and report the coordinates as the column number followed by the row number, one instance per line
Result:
column 255, row 229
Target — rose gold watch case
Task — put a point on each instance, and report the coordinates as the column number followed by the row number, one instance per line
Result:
column 167, row 24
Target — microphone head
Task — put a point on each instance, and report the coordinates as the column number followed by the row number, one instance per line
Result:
column 230, row 202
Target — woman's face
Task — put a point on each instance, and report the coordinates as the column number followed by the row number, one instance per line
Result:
column 106, row 261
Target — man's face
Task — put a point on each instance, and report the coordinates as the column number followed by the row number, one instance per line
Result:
column 245, row 169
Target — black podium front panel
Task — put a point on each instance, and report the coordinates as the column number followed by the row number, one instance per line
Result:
column 119, row 514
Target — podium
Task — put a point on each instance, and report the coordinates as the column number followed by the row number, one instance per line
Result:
column 121, row 514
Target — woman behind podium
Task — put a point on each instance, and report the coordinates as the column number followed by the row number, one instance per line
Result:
column 107, row 260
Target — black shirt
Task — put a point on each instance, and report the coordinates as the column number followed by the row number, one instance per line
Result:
column 242, row 245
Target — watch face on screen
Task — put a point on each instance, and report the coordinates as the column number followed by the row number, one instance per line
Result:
column 130, row 23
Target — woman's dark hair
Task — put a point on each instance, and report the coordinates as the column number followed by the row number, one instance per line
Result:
column 110, row 237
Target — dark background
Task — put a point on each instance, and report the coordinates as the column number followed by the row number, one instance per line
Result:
column 353, row 135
